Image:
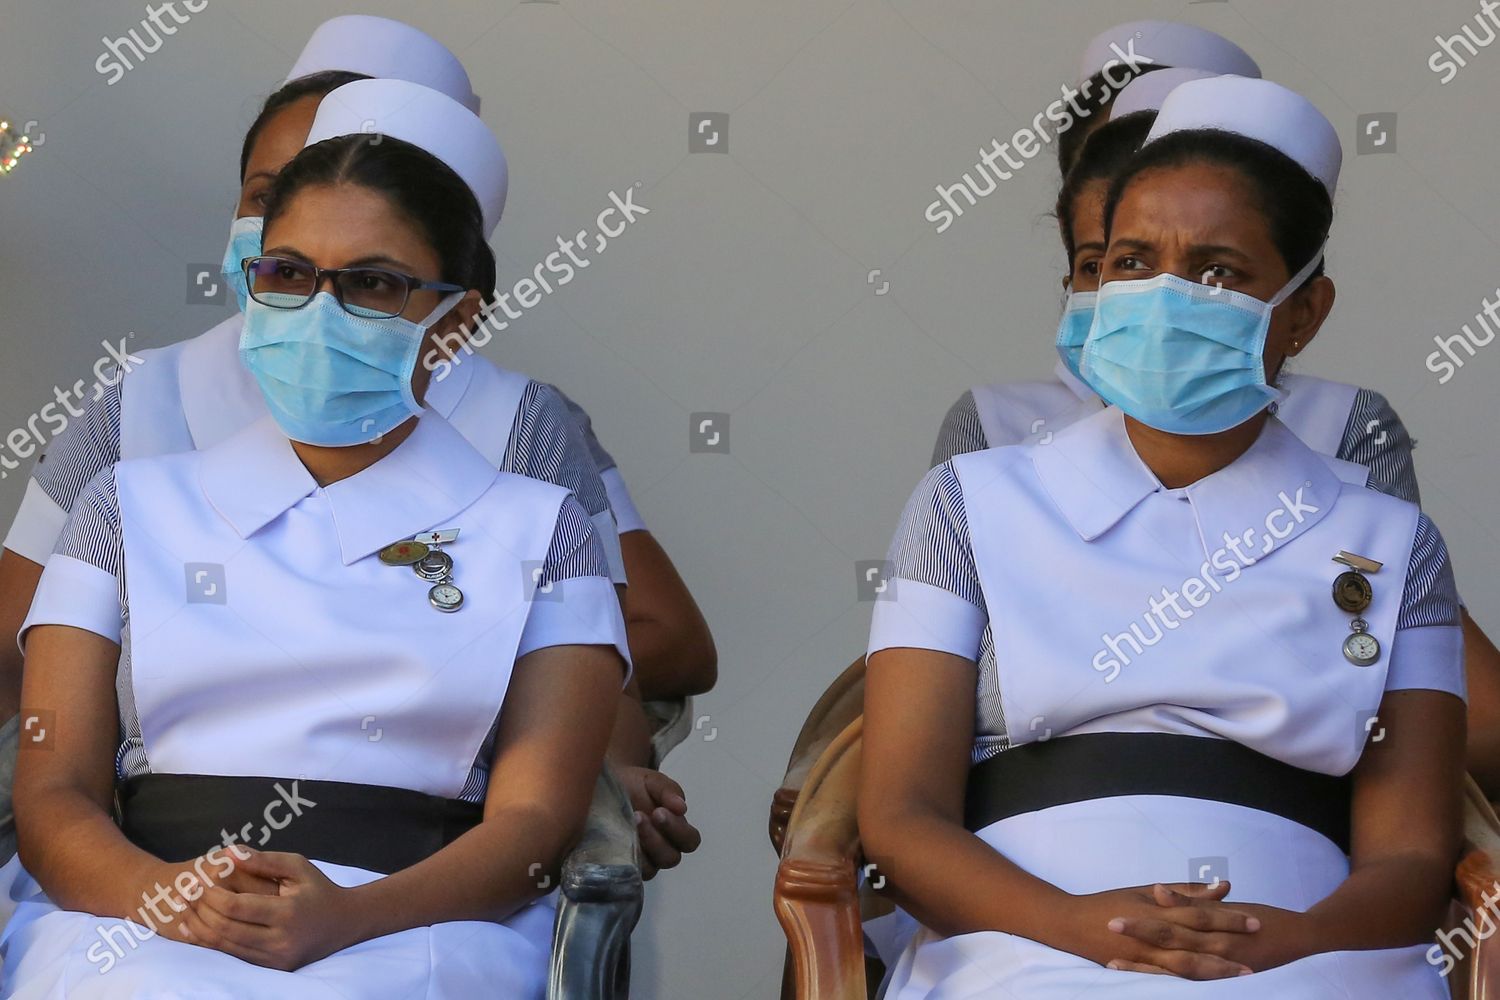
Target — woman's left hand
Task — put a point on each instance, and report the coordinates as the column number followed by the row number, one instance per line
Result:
column 306, row 920
column 1282, row 936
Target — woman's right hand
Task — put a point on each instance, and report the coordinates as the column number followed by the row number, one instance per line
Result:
column 1189, row 922
column 173, row 894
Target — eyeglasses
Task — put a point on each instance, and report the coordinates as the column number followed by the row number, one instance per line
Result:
column 366, row 292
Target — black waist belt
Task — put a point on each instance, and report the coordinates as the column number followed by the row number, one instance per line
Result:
column 1103, row 765
column 178, row 817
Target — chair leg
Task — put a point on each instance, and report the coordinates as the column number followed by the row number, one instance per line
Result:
column 817, row 906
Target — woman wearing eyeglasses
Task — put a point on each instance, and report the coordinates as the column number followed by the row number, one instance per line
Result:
column 350, row 686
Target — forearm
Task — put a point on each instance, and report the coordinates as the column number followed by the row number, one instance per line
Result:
column 1359, row 915
column 630, row 740
column 489, row 873
column 77, row 854
column 955, row 883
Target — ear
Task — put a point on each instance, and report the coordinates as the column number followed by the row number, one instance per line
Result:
column 1305, row 313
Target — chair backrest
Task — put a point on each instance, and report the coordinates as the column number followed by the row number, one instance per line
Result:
column 840, row 704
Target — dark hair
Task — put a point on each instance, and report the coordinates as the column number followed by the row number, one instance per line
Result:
column 312, row 85
column 1295, row 204
column 1095, row 96
column 1108, row 150
column 423, row 187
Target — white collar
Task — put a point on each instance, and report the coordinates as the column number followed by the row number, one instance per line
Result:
column 255, row 477
column 1094, row 476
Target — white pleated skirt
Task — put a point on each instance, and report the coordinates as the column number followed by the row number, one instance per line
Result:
column 1115, row 843
column 54, row 953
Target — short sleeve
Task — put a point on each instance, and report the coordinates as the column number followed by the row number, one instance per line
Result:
column 621, row 504
column 547, row 444
column 83, row 584
column 575, row 603
column 931, row 597
column 603, row 460
column 88, row 443
column 1375, row 437
column 1428, row 646
column 962, row 431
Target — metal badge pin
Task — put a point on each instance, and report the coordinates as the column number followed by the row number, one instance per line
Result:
column 1352, row 593
column 434, row 566
column 403, row 553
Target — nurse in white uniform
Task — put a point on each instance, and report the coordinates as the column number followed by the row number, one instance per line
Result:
column 343, row 638
column 1192, row 648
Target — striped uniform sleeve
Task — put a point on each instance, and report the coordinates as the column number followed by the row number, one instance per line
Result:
column 1428, row 647
column 621, row 504
column 90, row 442
column 961, row 432
column 83, row 584
column 547, row 444
column 1376, row 437
column 575, row 603
column 932, row 598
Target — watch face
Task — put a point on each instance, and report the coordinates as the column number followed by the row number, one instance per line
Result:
column 1362, row 649
column 446, row 597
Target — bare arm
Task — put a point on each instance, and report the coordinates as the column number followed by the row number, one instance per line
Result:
column 18, row 579
column 670, row 642
column 1482, row 670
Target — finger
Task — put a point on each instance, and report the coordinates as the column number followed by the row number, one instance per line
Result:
column 1196, row 930
column 235, row 931
column 1120, row 965
column 1192, row 965
column 1184, row 893
column 245, row 907
column 666, row 792
column 275, row 865
column 677, row 830
column 654, row 846
column 240, row 880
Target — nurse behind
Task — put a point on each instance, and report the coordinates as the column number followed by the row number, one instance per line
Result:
column 418, row 860
column 1133, row 739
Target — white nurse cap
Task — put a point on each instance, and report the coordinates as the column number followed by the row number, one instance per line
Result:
column 1257, row 109
column 386, row 50
column 1148, row 91
column 427, row 119
column 1167, row 43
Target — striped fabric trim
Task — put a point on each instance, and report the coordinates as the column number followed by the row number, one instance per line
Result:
column 603, row 460
column 1376, row 437
column 546, row 444
column 962, row 431
column 574, row 552
column 1431, row 594
column 88, row 445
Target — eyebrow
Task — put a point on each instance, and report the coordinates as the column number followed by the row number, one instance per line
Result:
column 1197, row 249
column 373, row 260
column 267, row 174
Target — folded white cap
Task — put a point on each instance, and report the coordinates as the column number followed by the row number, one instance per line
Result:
column 1167, row 43
column 386, row 50
column 427, row 119
column 1149, row 91
column 1258, row 109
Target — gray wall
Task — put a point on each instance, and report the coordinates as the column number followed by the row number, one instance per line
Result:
column 746, row 290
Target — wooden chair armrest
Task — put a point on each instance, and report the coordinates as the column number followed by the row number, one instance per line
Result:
column 671, row 722
column 839, row 705
column 816, row 898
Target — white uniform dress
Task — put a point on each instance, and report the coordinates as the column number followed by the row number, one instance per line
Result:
column 261, row 635
column 195, row 393
column 1094, row 600
column 1341, row 420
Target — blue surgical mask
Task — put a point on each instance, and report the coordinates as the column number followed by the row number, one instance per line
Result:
column 1073, row 328
column 244, row 241
column 1180, row 356
column 331, row 378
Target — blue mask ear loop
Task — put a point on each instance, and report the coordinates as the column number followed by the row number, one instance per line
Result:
column 1286, row 292
column 442, row 309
